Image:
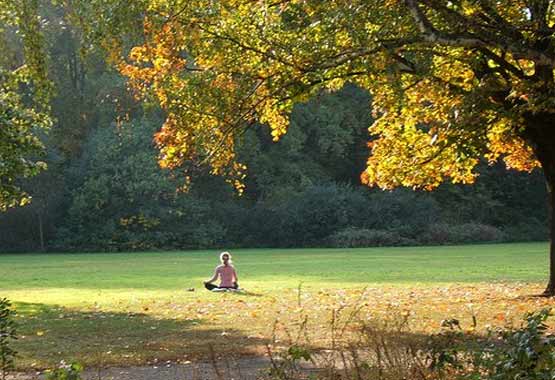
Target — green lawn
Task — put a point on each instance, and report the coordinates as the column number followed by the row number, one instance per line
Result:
column 125, row 308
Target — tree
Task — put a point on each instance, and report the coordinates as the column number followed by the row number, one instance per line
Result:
column 453, row 82
column 124, row 200
column 325, row 142
column 24, row 93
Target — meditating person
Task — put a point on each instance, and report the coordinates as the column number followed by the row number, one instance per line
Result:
column 227, row 274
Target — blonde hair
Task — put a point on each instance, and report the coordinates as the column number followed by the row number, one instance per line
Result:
column 222, row 257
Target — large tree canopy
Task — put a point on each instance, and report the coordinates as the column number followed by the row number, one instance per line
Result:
column 453, row 82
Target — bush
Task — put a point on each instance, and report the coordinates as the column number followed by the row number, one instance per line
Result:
column 526, row 353
column 387, row 349
column 304, row 219
column 359, row 238
column 401, row 209
column 65, row 372
column 321, row 210
column 530, row 229
column 441, row 233
column 126, row 202
column 7, row 336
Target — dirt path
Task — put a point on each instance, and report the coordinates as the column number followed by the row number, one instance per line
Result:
column 240, row 369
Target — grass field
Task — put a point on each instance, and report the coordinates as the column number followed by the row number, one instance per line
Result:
column 133, row 308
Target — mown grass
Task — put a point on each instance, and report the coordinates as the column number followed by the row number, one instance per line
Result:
column 133, row 308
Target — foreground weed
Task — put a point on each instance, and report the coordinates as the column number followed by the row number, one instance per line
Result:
column 8, row 334
column 527, row 352
column 65, row 371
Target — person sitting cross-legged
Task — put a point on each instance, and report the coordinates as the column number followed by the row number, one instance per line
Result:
column 227, row 274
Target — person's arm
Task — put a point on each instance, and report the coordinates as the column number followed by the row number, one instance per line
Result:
column 214, row 277
column 235, row 275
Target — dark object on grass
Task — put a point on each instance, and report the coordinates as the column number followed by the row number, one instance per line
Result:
column 211, row 286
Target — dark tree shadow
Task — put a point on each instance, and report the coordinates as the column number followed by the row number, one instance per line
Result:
column 247, row 293
column 51, row 333
column 99, row 339
column 526, row 297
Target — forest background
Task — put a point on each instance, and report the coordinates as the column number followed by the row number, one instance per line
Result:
column 104, row 190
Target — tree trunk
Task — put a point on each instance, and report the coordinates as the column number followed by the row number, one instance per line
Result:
column 540, row 134
column 41, row 232
column 550, row 289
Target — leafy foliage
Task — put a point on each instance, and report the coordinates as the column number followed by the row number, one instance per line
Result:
column 24, row 94
column 527, row 352
column 8, row 334
column 301, row 192
column 126, row 202
column 446, row 89
column 317, row 163
column 19, row 143
column 464, row 233
column 357, row 237
column 65, row 371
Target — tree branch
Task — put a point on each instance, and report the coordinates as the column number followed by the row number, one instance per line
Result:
column 433, row 35
column 503, row 63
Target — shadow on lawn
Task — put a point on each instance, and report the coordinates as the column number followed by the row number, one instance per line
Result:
column 248, row 294
column 380, row 348
column 96, row 338
column 50, row 333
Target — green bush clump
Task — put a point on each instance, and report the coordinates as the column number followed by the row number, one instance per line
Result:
column 524, row 353
column 360, row 237
column 529, row 229
column 442, row 233
column 65, row 371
